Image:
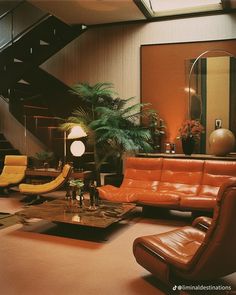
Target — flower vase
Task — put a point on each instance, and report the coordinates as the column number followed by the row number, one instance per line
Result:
column 188, row 145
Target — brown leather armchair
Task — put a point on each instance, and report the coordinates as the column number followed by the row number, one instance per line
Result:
column 191, row 253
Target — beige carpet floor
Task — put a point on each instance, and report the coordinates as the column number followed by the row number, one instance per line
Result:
column 45, row 259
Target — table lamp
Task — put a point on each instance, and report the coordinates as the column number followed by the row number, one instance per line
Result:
column 75, row 132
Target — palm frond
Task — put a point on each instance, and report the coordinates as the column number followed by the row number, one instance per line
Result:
column 118, row 136
column 128, row 100
column 135, row 108
column 81, row 113
column 102, row 110
column 95, row 94
column 105, row 88
column 69, row 125
column 144, row 147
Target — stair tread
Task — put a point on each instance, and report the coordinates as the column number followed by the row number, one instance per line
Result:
column 35, row 107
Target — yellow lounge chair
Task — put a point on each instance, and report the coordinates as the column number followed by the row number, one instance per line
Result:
column 13, row 171
column 35, row 190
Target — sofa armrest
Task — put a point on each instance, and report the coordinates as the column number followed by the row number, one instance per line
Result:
column 202, row 222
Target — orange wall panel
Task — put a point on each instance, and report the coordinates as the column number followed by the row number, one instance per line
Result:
column 164, row 78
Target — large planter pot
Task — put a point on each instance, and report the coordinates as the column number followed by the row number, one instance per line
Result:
column 188, row 145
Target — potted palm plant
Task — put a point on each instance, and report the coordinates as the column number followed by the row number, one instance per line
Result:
column 113, row 125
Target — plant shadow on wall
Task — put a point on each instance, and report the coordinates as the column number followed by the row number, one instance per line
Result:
column 113, row 125
column 190, row 134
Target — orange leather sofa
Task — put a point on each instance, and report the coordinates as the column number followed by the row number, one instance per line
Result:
column 182, row 184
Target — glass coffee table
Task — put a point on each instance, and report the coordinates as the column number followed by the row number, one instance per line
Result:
column 69, row 212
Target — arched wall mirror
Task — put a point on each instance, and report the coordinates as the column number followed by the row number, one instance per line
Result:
column 212, row 92
column 165, row 72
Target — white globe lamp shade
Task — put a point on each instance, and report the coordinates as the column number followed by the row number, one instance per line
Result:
column 76, row 132
column 77, row 148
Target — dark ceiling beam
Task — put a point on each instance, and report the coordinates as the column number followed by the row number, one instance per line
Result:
column 228, row 5
column 146, row 11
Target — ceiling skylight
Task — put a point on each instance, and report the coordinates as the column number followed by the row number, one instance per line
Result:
column 174, row 7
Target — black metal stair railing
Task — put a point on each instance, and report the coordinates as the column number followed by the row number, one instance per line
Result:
column 33, row 46
column 26, row 45
column 14, row 22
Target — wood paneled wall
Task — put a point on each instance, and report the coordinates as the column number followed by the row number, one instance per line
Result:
column 112, row 53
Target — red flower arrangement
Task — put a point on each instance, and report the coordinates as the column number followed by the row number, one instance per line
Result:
column 191, row 128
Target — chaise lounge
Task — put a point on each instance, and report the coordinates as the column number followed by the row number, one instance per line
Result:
column 181, row 184
column 13, row 171
column 33, row 192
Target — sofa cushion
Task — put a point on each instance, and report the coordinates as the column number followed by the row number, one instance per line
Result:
column 198, row 202
column 142, row 173
column 141, row 184
column 214, row 175
column 115, row 194
column 143, row 163
column 160, row 198
column 182, row 175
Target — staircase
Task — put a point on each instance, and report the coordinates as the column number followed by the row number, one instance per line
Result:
column 35, row 97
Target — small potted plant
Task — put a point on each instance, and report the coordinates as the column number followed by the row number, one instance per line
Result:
column 190, row 133
column 157, row 128
column 76, row 186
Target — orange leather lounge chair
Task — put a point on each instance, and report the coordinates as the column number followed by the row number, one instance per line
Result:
column 190, row 253
column 13, row 171
column 35, row 190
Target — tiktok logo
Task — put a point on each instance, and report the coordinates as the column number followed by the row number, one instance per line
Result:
column 174, row 288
